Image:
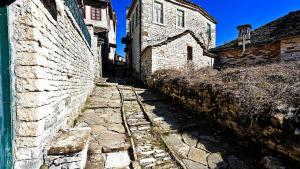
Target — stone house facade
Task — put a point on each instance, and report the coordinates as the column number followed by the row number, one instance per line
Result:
column 151, row 22
column 276, row 41
column 100, row 15
column 46, row 75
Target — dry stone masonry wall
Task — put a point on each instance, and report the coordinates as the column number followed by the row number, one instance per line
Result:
column 290, row 49
column 153, row 33
column 272, row 131
column 253, row 55
column 54, row 70
column 173, row 55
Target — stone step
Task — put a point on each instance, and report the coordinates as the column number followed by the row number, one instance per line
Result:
column 148, row 128
column 146, row 161
column 162, row 165
column 129, row 99
column 137, row 122
column 140, row 123
column 161, row 155
column 69, row 149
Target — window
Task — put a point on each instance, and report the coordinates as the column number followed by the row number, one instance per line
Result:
column 208, row 31
column 131, row 25
column 189, row 53
column 180, row 18
column 96, row 13
column 158, row 14
column 137, row 16
column 133, row 20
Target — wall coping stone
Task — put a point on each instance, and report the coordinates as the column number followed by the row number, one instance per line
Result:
column 69, row 141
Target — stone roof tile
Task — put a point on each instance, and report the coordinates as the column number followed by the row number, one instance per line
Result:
column 284, row 27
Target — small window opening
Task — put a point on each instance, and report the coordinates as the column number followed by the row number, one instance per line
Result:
column 189, row 53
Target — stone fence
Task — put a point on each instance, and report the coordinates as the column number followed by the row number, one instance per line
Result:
column 54, row 69
column 272, row 131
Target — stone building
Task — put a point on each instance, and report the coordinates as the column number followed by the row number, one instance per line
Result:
column 275, row 41
column 100, row 15
column 167, row 34
column 49, row 63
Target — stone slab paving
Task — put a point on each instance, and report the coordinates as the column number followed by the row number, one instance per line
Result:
column 193, row 142
column 109, row 145
column 196, row 141
column 150, row 150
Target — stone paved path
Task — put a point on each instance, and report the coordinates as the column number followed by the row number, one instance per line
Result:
column 109, row 142
column 149, row 148
column 138, row 128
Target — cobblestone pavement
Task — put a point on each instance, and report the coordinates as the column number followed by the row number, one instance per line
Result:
column 149, row 149
column 138, row 128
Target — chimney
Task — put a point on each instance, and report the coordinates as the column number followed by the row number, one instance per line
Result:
column 244, row 35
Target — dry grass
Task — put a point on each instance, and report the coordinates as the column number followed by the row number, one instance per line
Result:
column 261, row 89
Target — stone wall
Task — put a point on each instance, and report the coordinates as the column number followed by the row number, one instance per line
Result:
column 135, row 34
column 146, row 64
column 173, row 55
column 112, row 40
column 153, row 33
column 272, row 131
column 290, row 49
column 54, row 72
column 267, row 53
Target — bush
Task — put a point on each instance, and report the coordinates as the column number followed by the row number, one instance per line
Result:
column 261, row 89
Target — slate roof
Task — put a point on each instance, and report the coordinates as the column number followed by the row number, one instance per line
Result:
column 170, row 39
column 284, row 27
column 205, row 13
column 180, row 2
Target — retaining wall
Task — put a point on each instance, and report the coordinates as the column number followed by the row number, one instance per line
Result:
column 273, row 131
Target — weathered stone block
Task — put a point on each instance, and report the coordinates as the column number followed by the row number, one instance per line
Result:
column 69, row 149
column 31, row 128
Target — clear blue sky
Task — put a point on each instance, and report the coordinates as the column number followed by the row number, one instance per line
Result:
column 228, row 13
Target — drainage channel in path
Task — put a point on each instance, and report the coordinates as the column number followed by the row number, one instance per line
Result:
column 148, row 148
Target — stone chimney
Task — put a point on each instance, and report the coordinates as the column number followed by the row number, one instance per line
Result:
column 244, row 34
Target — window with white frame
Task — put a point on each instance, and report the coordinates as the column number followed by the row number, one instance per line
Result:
column 158, row 13
column 180, row 18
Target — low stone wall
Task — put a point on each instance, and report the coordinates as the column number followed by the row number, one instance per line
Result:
column 274, row 132
column 261, row 54
column 290, row 49
column 54, row 72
